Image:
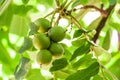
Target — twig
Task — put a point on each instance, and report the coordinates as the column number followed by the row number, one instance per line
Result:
column 102, row 6
column 79, row 25
column 57, row 21
column 87, row 38
column 62, row 6
column 102, row 23
column 68, row 4
column 49, row 14
column 57, row 3
column 54, row 12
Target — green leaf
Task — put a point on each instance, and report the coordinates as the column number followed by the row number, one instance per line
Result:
column 22, row 68
column 97, row 77
column 22, row 9
column 27, row 45
column 1, row 78
column 114, row 20
column 115, row 25
column 94, row 24
column 6, row 17
column 67, row 36
column 91, row 33
column 67, row 53
column 114, row 66
column 34, row 74
column 85, row 74
column 107, row 40
column 77, row 33
column 78, row 42
column 112, row 2
column 78, row 2
column 4, row 6
column 61, row 74
column 5, row 57
column 33, row 28
column 59, row 64
column 102, row 54
column 46, row 2
column 1, row 2
column 81, row 50
column 118, row 1
column 19, row 25
column 63, row 3
column 83, row 62
column 105, row 3
column 7, row 69
column 84, row 2
column 25, row 1
column 109, row 75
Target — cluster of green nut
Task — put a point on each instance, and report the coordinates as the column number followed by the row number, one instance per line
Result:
column 46, row 40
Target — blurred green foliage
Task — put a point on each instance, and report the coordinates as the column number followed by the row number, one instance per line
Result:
column 15, row 19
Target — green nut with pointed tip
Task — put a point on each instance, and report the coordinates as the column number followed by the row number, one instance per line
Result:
column 43, row 24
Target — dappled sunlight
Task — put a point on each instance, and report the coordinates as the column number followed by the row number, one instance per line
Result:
column 114, row 42
column 41, row 8
column 63, row 22
column 15, row 39
column 91, row 16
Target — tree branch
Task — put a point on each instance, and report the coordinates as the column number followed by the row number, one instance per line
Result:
column 118, row 41
column 102, row 22
column 103, row 12
column 57, row 3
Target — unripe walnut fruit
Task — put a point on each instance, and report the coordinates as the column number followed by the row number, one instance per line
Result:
column 56, row 33
column 43, row 24
column 56, row 49
column 44, row 57
column 41, row 41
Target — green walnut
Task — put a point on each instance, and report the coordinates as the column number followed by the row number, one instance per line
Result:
column 44, row 57
column 56, row 49
column 41, row 41
column 43, row 24
column 56, row 33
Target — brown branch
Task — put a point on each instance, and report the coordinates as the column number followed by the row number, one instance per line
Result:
column 119, row 11
column 102, row 23
column 118, row 41
column 103, row 12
